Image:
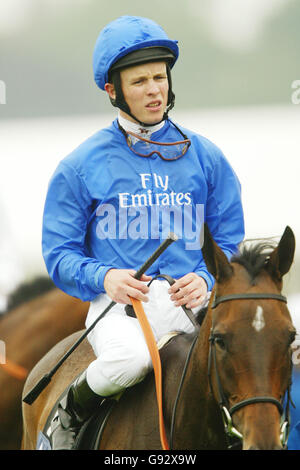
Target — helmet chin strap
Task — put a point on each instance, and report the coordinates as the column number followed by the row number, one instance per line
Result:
column 144, row 124
column 119, row 101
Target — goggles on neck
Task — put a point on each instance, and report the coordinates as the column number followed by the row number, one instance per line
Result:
column 168, row 151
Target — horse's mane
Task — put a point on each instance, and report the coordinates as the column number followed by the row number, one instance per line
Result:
column 253, row 257
column 28, row 290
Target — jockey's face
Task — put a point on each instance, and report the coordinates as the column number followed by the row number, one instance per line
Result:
column 145, row 89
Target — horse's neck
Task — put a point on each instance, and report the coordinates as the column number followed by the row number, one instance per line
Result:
column 197, row 412
column 197, row 370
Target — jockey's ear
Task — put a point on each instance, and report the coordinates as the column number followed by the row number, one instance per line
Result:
column 110, row 90
column 282, row 257
column 215, row 260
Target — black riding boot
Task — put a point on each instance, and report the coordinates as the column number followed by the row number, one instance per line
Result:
column 73, row 410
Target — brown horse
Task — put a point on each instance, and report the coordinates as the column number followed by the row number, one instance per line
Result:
column 28, row 332
column 230, row 377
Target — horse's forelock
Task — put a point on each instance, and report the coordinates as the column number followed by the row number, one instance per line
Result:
column 254, row 257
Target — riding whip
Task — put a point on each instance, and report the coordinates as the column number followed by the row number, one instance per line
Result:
column 46, row 379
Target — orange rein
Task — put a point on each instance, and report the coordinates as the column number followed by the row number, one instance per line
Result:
column 14, row 370
column 152, row 346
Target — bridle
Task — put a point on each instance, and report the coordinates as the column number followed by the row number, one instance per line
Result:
column 234, row 437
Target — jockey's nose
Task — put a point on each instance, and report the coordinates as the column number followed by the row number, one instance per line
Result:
column 153, row 88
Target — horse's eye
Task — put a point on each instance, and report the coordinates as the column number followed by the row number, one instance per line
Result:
column 292, row 336
column 220, row 342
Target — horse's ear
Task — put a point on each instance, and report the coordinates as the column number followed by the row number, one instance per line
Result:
column 215, row 260
column 282, row 257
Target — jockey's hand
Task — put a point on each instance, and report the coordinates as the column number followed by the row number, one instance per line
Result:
column 190, row 290
column 120, row 284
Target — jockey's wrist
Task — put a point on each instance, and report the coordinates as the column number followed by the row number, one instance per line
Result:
column 208, row 278
column 100, row 275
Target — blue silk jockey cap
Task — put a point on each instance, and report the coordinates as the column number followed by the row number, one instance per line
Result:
column 124, row 36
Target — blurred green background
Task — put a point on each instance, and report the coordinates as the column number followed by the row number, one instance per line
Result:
column 233, row 84
column 232, row 53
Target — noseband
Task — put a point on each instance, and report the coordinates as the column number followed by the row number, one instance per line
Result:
column 234, row 437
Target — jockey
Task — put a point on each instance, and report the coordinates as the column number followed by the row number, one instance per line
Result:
column 113, row 200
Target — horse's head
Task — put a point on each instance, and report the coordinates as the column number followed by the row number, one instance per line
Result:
column 251, row 335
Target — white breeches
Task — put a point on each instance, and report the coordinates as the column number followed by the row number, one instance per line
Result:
column 122, row 354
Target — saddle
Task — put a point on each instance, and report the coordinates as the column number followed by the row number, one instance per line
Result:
column 89, row 436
